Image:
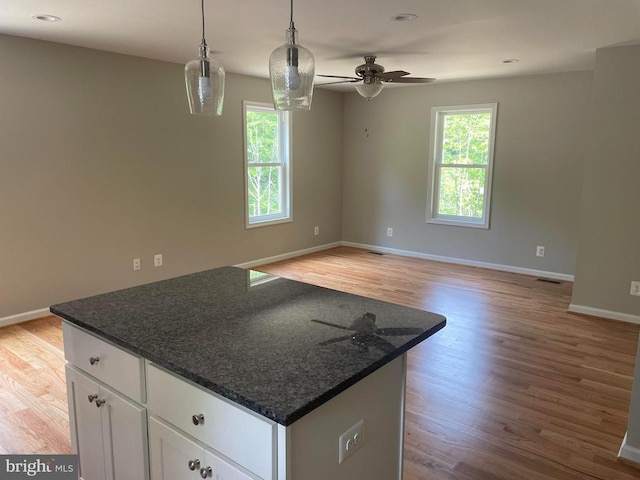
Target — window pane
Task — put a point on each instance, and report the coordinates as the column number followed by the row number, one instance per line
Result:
column 466, row 138
column 461, row 191
column 264, row 190
column 262, row 137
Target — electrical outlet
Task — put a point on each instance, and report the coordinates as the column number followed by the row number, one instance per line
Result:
column 539, row 251
column 350, row 441
column 316, row 230
column 635, row 289
column 389, row 232
column 157, row 260
column 136, row 264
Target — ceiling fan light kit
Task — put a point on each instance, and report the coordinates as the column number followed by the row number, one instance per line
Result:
column 370, row 90
column 291, row 70
column 204, row 79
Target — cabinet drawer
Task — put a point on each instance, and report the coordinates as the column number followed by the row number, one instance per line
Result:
column 239, row 435
column 104, row 361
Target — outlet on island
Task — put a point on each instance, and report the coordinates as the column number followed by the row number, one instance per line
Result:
column 351, row 441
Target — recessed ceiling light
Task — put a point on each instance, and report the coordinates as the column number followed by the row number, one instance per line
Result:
column 510, row 60
column 46, row 18
column 405, row 17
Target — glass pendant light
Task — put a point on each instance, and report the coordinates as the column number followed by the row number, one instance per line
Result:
column 291, row 68
column 204, row 79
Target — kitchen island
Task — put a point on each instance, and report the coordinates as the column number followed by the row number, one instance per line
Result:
column 234, row 374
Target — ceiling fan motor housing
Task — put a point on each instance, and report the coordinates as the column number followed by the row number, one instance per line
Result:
column 368, row 70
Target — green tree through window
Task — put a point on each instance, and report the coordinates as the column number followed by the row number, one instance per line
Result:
column 462, row 161
column 266, row 158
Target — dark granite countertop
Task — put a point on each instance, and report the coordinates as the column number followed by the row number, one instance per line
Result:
column 279, row 347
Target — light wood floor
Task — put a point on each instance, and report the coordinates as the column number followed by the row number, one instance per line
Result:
column 514, row 387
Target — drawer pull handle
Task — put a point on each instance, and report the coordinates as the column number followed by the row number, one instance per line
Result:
column 198, row 419
column 94, row 360
column 99, row 402
column 193, row 464
column 206, row 472
column 92, row 398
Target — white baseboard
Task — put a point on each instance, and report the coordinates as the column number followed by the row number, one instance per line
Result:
column 597, row 312
column 462, row 261
column 23, row 317
column 628, row 452
column 286, row 256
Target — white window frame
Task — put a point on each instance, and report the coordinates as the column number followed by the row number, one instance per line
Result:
column 284, row 148
column 435, row 163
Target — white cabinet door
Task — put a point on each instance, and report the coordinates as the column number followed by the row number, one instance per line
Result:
column 86, row 424
column 174, row 454
column 110, row 432
column 124, row 431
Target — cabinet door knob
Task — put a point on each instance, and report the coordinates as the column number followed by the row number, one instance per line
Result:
column 94, row 360
column 206, row 472
column 92, row 398
column 100, row 402
column 197, row 419
column 193, row 464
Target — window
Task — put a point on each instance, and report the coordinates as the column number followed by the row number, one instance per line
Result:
column 267, row 164
column 461, row 163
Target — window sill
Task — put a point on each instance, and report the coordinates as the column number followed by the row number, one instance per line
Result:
column 265, row 223
column 455, row 222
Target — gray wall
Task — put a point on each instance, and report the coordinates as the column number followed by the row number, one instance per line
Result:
column 537, row 170
column 609, row 251
column 100, row 162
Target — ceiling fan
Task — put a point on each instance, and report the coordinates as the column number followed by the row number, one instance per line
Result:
column 373, row 77
column 364, row 333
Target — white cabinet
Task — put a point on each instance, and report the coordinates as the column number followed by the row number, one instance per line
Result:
column 234, row 432
column 132, row 420
column 86, row 424
column 108, row 430
column 177, row 456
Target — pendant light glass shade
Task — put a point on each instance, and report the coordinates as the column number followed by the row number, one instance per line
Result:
column 204, row 79
column 291, row 68
column 370, row 90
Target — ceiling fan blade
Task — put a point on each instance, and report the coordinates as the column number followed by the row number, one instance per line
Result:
column 388, row 76
column 380, row 344
column 334, row 340
column 329, row 324
column 410, row 80
column 339, row 76
column 399, row 331
column 340, row 81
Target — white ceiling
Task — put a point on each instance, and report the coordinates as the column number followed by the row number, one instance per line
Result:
column 450, row 39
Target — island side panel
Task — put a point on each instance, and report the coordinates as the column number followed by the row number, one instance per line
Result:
column 311, row 444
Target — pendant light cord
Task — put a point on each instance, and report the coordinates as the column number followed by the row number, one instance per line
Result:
column 291, row 16
column 203, row 40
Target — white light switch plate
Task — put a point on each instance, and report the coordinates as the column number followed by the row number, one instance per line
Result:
column 351, row 441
